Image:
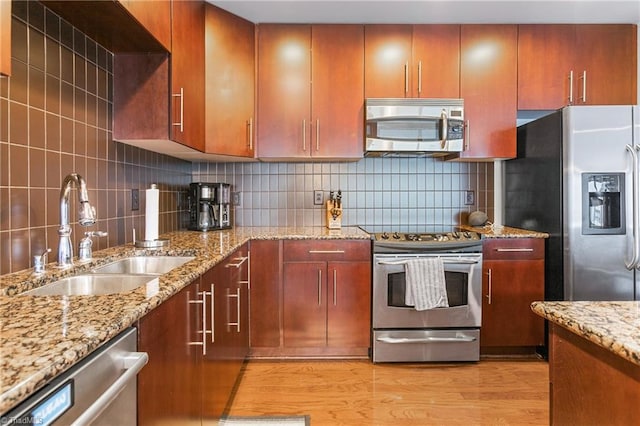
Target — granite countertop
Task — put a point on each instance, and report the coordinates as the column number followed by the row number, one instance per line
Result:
column 42, row 336
column 614, row 326
column 492, row 231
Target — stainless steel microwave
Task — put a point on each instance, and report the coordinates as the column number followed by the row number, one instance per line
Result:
column 414, row 126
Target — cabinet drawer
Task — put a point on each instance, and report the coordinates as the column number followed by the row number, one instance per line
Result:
column 326, row 250
column 513, row 248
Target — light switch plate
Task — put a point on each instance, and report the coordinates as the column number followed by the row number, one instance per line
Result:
column 135, row 199
column 318, row 198
column 469, row 198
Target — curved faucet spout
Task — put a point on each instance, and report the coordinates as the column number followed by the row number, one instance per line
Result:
column 86, row 217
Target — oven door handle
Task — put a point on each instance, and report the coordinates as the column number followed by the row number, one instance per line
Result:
column 399, row 340
column 452, row 261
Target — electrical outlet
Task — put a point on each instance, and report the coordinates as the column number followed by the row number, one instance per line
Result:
column 236, row 198
column 318, row 198
column 135, row 199
column 469, row 198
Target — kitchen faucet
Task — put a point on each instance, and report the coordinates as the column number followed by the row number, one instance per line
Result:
column 87, row 216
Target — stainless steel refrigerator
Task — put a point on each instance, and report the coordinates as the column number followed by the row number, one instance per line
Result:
column 577, row 177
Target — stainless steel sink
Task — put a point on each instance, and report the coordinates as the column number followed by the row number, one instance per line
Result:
column 92, row 285
column 143, row 265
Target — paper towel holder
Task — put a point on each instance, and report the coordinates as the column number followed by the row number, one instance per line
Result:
column 150, row 244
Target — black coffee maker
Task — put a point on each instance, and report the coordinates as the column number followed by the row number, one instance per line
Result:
column 209, row 206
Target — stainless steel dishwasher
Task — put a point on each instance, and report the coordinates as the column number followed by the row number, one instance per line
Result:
column 99, row 390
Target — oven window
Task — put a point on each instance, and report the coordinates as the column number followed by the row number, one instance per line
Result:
column 456, row 282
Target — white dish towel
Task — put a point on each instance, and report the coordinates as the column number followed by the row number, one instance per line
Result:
column 425, row 284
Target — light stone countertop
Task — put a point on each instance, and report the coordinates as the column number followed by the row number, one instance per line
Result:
column 614, row 326
column 489, row 231
column 42, row 336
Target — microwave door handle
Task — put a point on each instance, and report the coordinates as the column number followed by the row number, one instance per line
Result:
column 444, row 129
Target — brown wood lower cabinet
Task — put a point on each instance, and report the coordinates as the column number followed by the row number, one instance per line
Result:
column 197, row 341
column 513, row 277
column 321, row 304
column 169, row 386
column 590, row 385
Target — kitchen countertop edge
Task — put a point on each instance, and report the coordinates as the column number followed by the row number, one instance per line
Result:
column 492, row 231
column 611, row 325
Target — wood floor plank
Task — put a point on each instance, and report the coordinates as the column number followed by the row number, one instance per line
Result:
column 357, row 392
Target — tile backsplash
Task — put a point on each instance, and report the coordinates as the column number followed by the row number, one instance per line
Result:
column 55, row 118
column 411, row 194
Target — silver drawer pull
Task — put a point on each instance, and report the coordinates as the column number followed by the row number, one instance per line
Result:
column 515, row 250
column 326, row 251
column 396, row 340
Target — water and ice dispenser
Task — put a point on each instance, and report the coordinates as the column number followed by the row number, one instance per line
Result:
column 603, row 209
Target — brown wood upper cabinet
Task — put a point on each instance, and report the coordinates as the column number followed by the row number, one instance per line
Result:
column 155, row 17
column 162, row 97
column 310, row 91
column 230, row 83
column 562, row 65
column 488, row 85
column 420, row 61
column 5, row 38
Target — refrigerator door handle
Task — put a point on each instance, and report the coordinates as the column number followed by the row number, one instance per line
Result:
column 633, row 263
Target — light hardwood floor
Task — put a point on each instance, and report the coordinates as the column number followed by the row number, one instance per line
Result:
column 358, row 392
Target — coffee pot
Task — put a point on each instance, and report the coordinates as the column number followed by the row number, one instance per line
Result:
column 209, row 206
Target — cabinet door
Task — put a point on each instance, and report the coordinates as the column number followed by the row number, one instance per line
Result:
column 169, row 389
column 488, row 85
column 305, row 304
column 436, row 61
column 155, row 17
column 349, row 304
column 5, row 38
column 513, row 278
column 387, row 59
column 607, row 54
column 230, row 53
column 545, row 58
column 265, row 292
column 337, row 91
column 187, row 73
column 284, row 94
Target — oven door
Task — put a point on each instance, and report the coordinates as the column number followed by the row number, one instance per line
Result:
column 464, row 291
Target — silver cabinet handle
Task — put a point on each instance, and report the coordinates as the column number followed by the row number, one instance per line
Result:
column 319, row 287
column 583, row 98
column 238, row 264
column 181, row 122
column 132, row 363
column 203, row 342
column 318, row 134
column 406, row 78
column 237, row 297
column 512, row 250
column 419, row 78
column 570, row 87
column 467, row 139
column 326, row 251
column 490, row 282
column 250, row 125
column 396, row 340
column 335, row 287
column 304, row 135
column 213, row 313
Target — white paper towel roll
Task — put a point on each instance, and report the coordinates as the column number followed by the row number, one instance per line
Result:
column 151, row 213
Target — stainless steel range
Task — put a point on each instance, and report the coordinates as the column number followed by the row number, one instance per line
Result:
column 402, row 333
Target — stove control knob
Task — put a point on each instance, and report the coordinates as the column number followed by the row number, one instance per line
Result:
column 384, row 236
column 467, row 234
column 396, row 236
